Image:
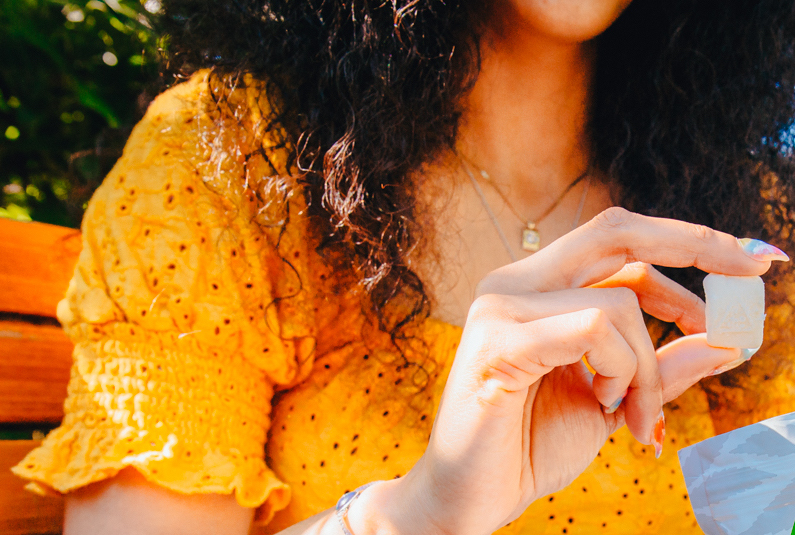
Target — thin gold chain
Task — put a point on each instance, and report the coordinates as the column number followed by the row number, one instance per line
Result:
column 493, row 217
column 504, row 198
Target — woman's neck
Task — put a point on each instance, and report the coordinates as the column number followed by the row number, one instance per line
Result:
column 526, row 118
column 525, row 123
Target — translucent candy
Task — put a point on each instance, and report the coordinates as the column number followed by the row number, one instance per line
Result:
column 735, row 311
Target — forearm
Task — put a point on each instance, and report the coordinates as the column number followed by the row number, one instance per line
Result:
column 387, row 508
column 127, row 504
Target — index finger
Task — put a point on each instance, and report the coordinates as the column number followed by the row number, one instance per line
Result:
column 617, row 237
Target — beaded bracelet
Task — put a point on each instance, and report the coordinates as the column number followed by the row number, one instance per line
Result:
column 345, row 502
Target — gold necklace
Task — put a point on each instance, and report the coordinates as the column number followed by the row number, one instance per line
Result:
column 531, row 239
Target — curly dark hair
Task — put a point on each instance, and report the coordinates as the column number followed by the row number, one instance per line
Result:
column 692, row 111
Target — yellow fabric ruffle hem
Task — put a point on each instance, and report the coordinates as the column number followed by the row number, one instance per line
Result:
column 188, row 424
column 74, row 457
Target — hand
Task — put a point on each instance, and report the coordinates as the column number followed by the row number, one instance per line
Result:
column 521, row 415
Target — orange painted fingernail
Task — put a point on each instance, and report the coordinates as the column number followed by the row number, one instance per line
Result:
column 658, row 435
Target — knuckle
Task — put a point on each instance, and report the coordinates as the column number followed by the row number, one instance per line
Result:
column 595, row 322
column 624, row 298
column 640, row 274
column 690, row 301
column 486, row 340
column 642, row 271
column 702, row 232
column 651, row 382
column 486, row 306
column 613, row 218
column 693, row 300
column 510, row 377
column 633, row 368
column 485, row 286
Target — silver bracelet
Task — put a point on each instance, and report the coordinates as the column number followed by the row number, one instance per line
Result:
column 345, row 502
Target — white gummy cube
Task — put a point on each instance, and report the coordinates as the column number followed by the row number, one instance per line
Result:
column 735, row 311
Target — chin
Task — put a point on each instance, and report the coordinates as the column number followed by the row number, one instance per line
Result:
column 568, row 20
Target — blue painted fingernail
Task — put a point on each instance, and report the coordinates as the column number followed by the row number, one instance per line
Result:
column 614, row 407
column 763, row 251
column 748, row 353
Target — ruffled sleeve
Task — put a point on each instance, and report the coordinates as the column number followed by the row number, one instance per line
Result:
column 185, row 314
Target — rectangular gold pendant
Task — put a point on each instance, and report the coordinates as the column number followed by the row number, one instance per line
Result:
column 531, row 240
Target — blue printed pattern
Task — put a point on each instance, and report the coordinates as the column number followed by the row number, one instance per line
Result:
column 743, row 482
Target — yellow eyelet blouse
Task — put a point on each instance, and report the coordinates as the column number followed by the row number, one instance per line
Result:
column 216, row 351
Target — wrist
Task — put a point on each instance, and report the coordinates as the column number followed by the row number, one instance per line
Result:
column 393, row 507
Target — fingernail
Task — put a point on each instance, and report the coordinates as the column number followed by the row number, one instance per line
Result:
column 745, row 356
column 614, row 406
column 759, row 250
column 658, row 435
column 748, row 353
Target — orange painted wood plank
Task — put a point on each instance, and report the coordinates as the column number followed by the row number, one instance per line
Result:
column 22, row 512
column 34, row 371
column 36, row 262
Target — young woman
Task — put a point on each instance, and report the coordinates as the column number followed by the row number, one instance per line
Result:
column 313, row 268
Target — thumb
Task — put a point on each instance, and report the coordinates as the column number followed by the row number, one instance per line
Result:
column 689, row 359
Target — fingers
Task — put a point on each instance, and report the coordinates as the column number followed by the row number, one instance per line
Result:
column 689, row 359
column 619, row 315
column 616, row 237
column 660, row 296
column 621, row 237
column 542, row 345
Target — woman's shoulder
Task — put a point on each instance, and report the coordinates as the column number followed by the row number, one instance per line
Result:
column 204, row 159
column 211, row 128
column 186, row 96
column 200, row 233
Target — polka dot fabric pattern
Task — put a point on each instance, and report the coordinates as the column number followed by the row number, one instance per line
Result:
column 184, row 317
column 219, row 349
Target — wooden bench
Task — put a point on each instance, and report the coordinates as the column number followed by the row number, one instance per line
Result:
column 36, row 263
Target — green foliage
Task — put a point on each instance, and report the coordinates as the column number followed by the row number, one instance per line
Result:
column 72, row 82
column 25, row 432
